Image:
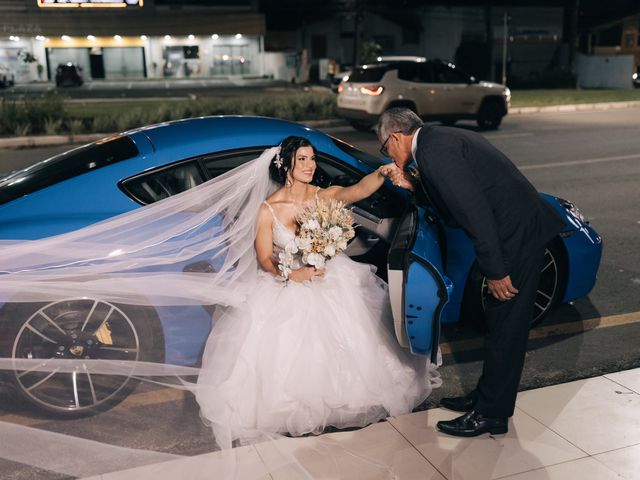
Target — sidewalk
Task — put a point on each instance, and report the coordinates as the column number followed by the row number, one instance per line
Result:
column 583, row 430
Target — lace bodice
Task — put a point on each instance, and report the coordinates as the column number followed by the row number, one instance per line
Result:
column 281, row 234
column 281, row 237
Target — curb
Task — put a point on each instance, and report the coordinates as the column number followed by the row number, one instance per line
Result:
column 579, row 107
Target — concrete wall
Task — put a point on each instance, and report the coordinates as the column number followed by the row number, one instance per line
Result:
column 604, row 71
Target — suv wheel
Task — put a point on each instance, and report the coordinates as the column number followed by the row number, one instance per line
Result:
column 490, row 115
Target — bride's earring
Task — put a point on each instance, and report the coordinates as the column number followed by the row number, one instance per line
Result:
column 288, row 183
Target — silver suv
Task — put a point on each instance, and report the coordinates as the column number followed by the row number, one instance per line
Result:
column 434, row 89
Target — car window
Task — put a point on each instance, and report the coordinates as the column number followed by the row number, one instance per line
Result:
column 446, row 74
column 153, row 186
column 418, row 72
column 161, row 183
column 66, row 166
column 219, row 164
column 369, row 74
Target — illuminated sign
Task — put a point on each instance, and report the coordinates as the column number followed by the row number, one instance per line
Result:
column 91, row 3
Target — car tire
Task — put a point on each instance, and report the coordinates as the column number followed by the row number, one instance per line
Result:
column 58, row 330
column 551, row 288
column 490, row 114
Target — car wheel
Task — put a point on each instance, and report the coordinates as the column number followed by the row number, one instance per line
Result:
column 361, row 126
column 550, row 289
column 490, row 115
column 77, row 329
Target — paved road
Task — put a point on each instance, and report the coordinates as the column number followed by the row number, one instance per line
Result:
column 591, row 158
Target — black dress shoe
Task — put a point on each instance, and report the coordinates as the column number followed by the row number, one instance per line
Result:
column 473, row 424
column 460, row 404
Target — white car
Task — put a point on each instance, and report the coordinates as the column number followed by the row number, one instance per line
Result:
column 434, row 89
column 7, row 78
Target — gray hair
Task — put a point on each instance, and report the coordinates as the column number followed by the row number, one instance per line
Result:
column 398, row 119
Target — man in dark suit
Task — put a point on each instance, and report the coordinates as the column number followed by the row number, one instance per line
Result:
column 474, row 186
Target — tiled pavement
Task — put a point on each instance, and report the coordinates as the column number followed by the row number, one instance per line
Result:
column 582, row 430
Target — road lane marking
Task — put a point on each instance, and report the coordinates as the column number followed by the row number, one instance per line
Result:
column 580, row 162
column 550, row 331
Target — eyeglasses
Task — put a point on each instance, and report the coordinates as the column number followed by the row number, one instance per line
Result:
column 383, row 149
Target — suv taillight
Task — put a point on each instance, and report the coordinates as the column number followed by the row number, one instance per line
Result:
column 373, row 90
column 340, row 88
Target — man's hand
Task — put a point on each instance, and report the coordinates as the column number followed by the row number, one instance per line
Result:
column 502, row 289
column 400, row 178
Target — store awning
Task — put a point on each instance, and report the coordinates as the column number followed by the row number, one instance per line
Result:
column 131, row 22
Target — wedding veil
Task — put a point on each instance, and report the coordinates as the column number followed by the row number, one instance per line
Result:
column 193, row 249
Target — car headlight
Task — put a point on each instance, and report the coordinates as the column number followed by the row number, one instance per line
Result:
column 573, row 210
column 507, row 94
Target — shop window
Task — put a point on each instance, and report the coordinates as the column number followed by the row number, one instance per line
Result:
column 191, row 51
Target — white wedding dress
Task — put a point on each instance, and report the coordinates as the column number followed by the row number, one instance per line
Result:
column 301, row 357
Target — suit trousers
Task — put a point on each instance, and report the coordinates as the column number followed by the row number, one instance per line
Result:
column 506, row 342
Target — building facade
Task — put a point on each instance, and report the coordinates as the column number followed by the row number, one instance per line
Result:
column 132, row 39
column 530, row 43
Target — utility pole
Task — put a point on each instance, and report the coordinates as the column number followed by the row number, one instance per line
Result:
column 505, row 35
column 488, row 23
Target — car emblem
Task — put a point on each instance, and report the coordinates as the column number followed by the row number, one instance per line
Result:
column 77, row 350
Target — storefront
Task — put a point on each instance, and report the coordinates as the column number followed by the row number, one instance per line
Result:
column 140, row 41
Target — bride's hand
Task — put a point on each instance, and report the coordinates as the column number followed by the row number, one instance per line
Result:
column 305, row 274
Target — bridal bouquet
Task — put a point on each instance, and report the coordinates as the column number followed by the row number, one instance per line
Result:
column 324, row 228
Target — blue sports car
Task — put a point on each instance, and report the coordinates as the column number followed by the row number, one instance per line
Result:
column 431, row 270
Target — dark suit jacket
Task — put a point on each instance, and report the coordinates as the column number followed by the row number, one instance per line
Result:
column 474, row 186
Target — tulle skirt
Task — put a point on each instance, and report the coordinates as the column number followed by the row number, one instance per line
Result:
column 297, row 358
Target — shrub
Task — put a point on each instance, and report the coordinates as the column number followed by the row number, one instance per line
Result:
column 52, row 126
column 75, row 126
column 22, row 129
column 103, row 124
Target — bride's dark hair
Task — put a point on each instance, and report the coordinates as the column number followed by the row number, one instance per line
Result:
column 288, row 148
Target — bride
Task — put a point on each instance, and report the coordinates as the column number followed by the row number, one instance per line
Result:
column 315, row 351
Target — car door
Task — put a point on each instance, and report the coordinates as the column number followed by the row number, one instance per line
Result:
column 418, row 288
